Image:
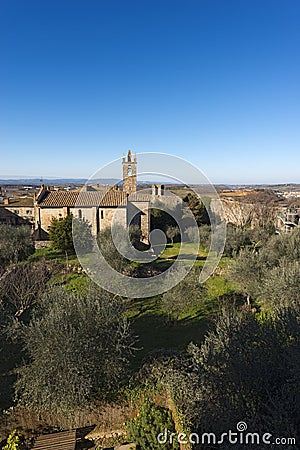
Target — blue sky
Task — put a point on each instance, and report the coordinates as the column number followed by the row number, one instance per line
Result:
column 216, row 82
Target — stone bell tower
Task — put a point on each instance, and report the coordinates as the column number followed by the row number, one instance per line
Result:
column 129, row 173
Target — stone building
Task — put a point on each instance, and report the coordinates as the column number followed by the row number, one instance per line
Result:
column 288, row 220
column 98, row 207
column 8, row 217
column 129, row 173
column 21, row 207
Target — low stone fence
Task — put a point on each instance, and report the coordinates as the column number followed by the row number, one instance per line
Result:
column 41, row 244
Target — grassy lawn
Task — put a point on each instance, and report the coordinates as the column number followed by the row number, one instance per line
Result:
column 149, row 324
column 218, row 286
column 148, row 319
column 187, row 248
column 53, row 255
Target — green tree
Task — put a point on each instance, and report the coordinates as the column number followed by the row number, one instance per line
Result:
column 282, row 246
column 189, row 292
column 135, row 235
column 236, row 239
column 281, row 285
column 162, row 216
column 150, row 421
column 203, row 233
column 60, row 234
column 205, row 236
column 172, row 233
column 248, row 271
column 198, row 209
column 77, row 347
column 246, row 369
column 16, row 244
column 108, row 249
column 22, row 285
column 82, row 236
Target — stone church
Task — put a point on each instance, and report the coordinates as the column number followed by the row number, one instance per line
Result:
column 98, row 206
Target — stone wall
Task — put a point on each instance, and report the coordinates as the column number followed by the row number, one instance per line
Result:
column 26, row 212
column 41, row 244
column 45, row 216
column 141, row 210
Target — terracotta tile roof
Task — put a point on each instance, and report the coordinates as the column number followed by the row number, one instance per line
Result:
column 111, row 198
column 59, row 198
column 139, row 197
column 20, row 202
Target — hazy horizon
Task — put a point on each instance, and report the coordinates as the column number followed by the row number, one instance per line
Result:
column 84, row 179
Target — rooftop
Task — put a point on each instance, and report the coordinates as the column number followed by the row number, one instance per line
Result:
column 19, row 202
column 110, row 198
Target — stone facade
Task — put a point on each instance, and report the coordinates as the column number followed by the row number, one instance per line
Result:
column 26, row 212
column 99, row 208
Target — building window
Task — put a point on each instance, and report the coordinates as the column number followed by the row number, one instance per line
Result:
column 79, row 214
column 102, row 214
column 29, row 212
column 16, row 211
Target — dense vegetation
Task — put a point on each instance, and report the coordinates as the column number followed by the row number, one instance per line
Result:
column 66, row 344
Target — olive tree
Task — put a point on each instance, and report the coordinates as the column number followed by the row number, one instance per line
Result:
column 76, row 346
column 246, row 369
column 281, row 285
column 172, row 233
column 22, row 285
column 248, row 270
column 16, row 244
column 108, row 248
column 189, row 292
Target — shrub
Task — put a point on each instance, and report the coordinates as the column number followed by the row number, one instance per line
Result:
column 148, row 424
column 16, row 244
column 15, row 441
column 60, row 233
column 77, row 346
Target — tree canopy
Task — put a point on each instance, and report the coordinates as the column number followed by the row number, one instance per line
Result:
column 76, row 348
column 16, row 244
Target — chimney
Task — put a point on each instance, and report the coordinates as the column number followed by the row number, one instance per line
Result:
column 154, row 190
column 41, row 193
column 158, row 190
column 6, row 201
column 161, row 189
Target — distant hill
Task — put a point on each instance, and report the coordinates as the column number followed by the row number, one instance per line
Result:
column 79, row 181
column 65, row 181
column 54, row 181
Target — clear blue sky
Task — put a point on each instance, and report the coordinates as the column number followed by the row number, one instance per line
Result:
column 214, row 81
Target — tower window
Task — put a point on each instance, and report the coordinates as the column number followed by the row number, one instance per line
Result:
column 129, row 171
